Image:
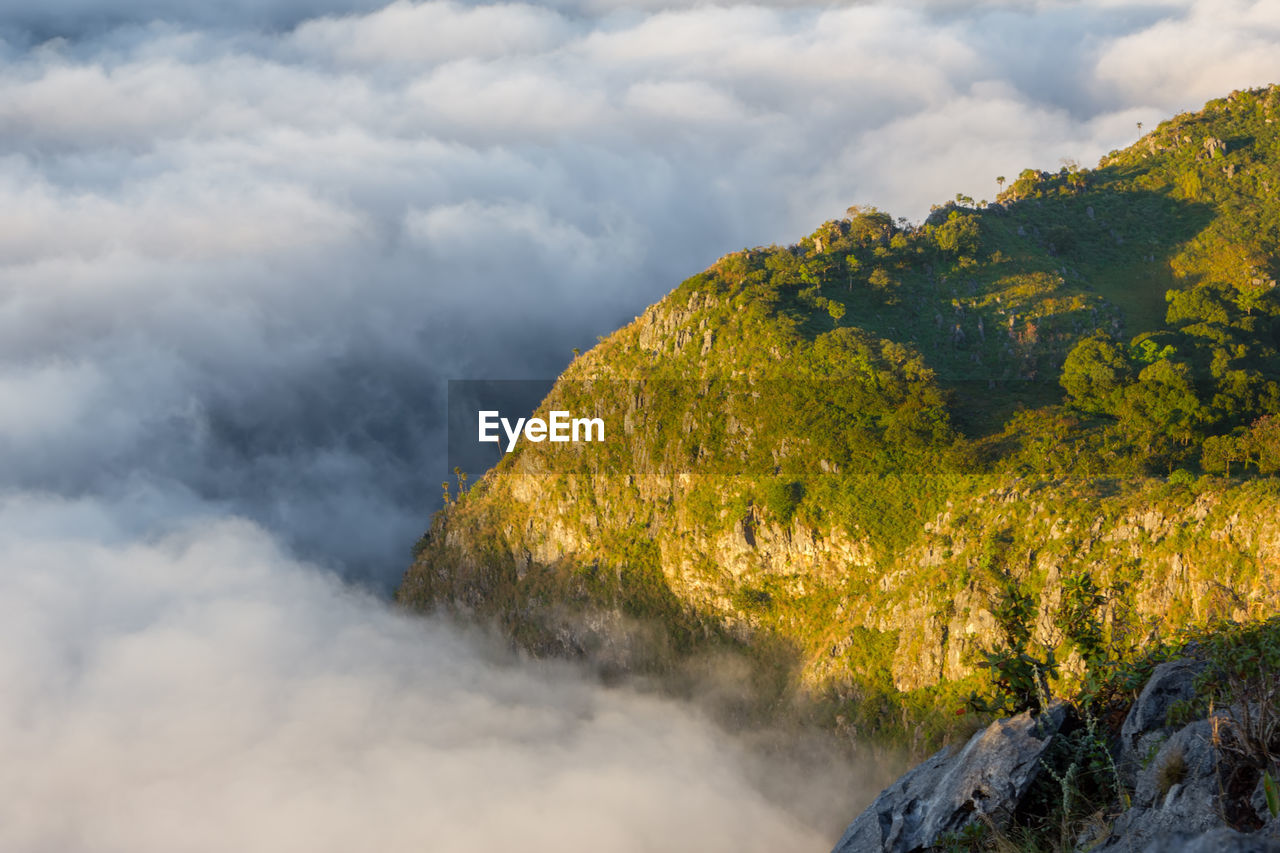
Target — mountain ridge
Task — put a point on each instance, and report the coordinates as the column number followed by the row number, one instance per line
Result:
column 860, row 459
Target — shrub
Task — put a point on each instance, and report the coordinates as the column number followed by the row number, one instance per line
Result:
column 1173, row 770
column 1243, row 676
column 781, row 499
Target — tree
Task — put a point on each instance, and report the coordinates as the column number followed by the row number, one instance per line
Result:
column 1220, row 451
column 835, row 309
column 829, row 236
column 1000, row 182
column 1028, row 183
column 781, row 499
column 880, row 280
column 1264, row 443
column 852, row 265
column 870, row 226
column 1197, row 305
column 959, row 235
column 1162, row 405
column 1250, row 297
column 1081, row 618
column 1095, row 374
column 813, row 272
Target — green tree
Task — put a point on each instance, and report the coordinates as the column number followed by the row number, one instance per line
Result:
column 1095, row 374
column 959, row 235
column 1264, row 444
column 781, row 498
column 1196, row 305
column 852, row 265
column 1220, row 452
column 1163, row 404
column 869, row 226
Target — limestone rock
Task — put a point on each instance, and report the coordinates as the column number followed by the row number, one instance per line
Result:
column 984, row 780
column 1171, row 682
column 1177, row 793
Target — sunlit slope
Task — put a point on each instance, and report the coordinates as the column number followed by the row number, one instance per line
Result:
column 838, row 456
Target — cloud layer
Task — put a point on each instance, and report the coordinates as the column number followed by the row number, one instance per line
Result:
column 243, row 244
column 207, row 693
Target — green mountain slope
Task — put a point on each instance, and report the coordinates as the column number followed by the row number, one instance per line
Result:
column 871, row 459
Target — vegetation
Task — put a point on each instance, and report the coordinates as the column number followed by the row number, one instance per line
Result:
column 904, row 470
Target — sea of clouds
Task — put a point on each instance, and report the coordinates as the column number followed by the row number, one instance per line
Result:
column 242, row 245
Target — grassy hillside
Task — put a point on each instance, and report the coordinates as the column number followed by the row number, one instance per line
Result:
column 890, row 461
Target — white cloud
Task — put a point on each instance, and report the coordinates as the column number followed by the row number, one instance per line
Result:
column 206, row 691
column 203, row 216
column 505, row 102
column 1210, row 50
column 431, row 32
column 694, row 103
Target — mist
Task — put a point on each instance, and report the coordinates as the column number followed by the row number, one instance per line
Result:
column 206, row 692
column 242, row 248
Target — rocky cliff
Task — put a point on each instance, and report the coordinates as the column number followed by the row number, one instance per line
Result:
column 871, row 459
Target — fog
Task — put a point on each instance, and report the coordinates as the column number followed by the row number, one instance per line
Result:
column 205, row 692
column 242, row 245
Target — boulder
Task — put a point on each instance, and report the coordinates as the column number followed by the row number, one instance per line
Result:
column 1176, row 795
column 983, row 781
column 1145, row 725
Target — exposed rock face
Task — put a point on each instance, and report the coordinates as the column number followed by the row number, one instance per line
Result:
column 1146, row 725
column 1175, row 554
column 1057, row 533
column 1176, row 794
column 984, row 781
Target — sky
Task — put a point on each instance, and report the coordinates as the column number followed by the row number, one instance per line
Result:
column 243, row 244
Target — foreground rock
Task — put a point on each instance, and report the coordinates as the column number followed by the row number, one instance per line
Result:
column 983, row 782
column 1176, row 795
column 1182, row 790
column 1147, row 722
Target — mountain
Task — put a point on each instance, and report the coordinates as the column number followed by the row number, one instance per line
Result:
column 898, row 468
